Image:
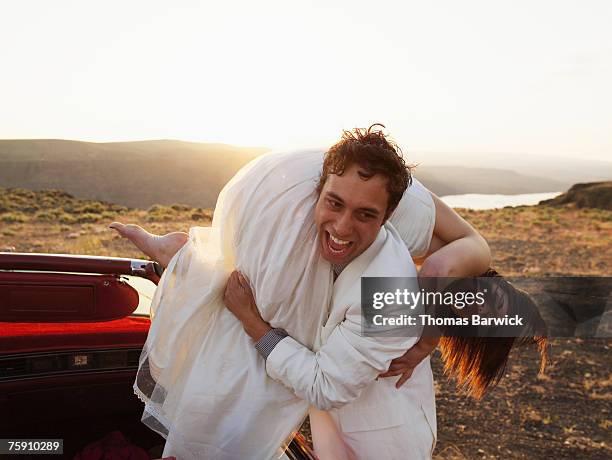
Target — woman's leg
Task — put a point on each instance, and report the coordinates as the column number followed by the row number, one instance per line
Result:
column 327, row 439
column 160, row 248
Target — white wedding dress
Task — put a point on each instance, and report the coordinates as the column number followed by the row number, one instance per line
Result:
column 204, row 386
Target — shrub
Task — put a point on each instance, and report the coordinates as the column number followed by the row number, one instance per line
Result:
column 47, row 202
column 65, row 218
column 22, row 192
column 46, row 216
column 160, row 208
column 13, row 217
column 159, row 216
column 95, row 208
column 159, row 212
column 30, row 208
column 201, row 214
column 57, row 193
column 180, row 207
column 88, row 217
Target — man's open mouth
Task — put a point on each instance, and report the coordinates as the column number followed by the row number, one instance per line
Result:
column 337, row 246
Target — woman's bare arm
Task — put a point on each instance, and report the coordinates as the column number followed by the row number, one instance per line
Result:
column 456, row 250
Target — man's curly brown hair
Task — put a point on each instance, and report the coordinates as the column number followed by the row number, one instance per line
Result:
column 375, row 153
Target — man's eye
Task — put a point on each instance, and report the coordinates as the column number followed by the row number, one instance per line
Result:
column 365, row 216
column 334, row 204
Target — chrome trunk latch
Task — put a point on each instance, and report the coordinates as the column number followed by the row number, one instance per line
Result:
column 139, row 267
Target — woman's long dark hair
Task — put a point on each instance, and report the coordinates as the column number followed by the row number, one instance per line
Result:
column 478, row 363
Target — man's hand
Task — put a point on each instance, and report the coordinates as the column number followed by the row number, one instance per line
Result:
column 239, row 299
column 404, row 365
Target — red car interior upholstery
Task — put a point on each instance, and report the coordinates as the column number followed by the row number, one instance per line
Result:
column 69, row 350
column 62, row 297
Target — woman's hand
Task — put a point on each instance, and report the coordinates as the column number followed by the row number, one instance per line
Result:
column 239, row 299
column 404, row 365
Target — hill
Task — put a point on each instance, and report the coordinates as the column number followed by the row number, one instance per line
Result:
column 140, row 174
column 136, row 174
column 558, row 167
column 459, row 180
column 591, row 195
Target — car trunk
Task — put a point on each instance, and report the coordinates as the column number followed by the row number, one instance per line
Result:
column 69, row 350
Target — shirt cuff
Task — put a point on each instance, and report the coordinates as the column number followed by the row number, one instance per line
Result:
column 266, row 344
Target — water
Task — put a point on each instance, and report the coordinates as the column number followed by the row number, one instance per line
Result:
column 482, row 201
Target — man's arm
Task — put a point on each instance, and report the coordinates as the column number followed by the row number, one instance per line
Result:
column 339, row 371
column 331, row 377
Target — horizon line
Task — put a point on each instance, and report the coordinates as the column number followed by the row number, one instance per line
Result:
column 592, row 157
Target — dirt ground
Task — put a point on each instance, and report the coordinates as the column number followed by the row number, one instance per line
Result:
column 564, row 413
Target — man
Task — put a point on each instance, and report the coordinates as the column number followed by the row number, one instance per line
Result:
column 244, row 429
column 362, row 182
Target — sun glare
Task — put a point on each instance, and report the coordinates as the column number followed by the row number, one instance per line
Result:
column 442, row 76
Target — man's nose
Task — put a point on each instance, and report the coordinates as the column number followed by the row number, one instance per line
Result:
column 344, row 225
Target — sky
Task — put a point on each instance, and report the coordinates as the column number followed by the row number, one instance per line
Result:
column 527, row 77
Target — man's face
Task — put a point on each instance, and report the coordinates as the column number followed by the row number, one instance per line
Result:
column 349, row 214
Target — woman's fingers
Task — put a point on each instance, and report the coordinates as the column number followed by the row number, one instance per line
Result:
column 404, row 373
column 244, row 281
column 232, row 284
column 237, row 285
column 392, row 373
column 403, row 379
column 398, row 367
column 245, row 284
column 230, row 281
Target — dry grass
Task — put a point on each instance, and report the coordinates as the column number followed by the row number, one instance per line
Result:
column 546, row 240
column 54, row 221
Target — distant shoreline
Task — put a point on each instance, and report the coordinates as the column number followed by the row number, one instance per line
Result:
column 479, row 201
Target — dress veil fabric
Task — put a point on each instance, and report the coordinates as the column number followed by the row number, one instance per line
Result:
column 204, row 385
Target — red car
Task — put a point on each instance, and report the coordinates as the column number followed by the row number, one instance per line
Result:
column 71, row 333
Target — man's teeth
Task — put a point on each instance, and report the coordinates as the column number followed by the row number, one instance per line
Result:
column 338, row 241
